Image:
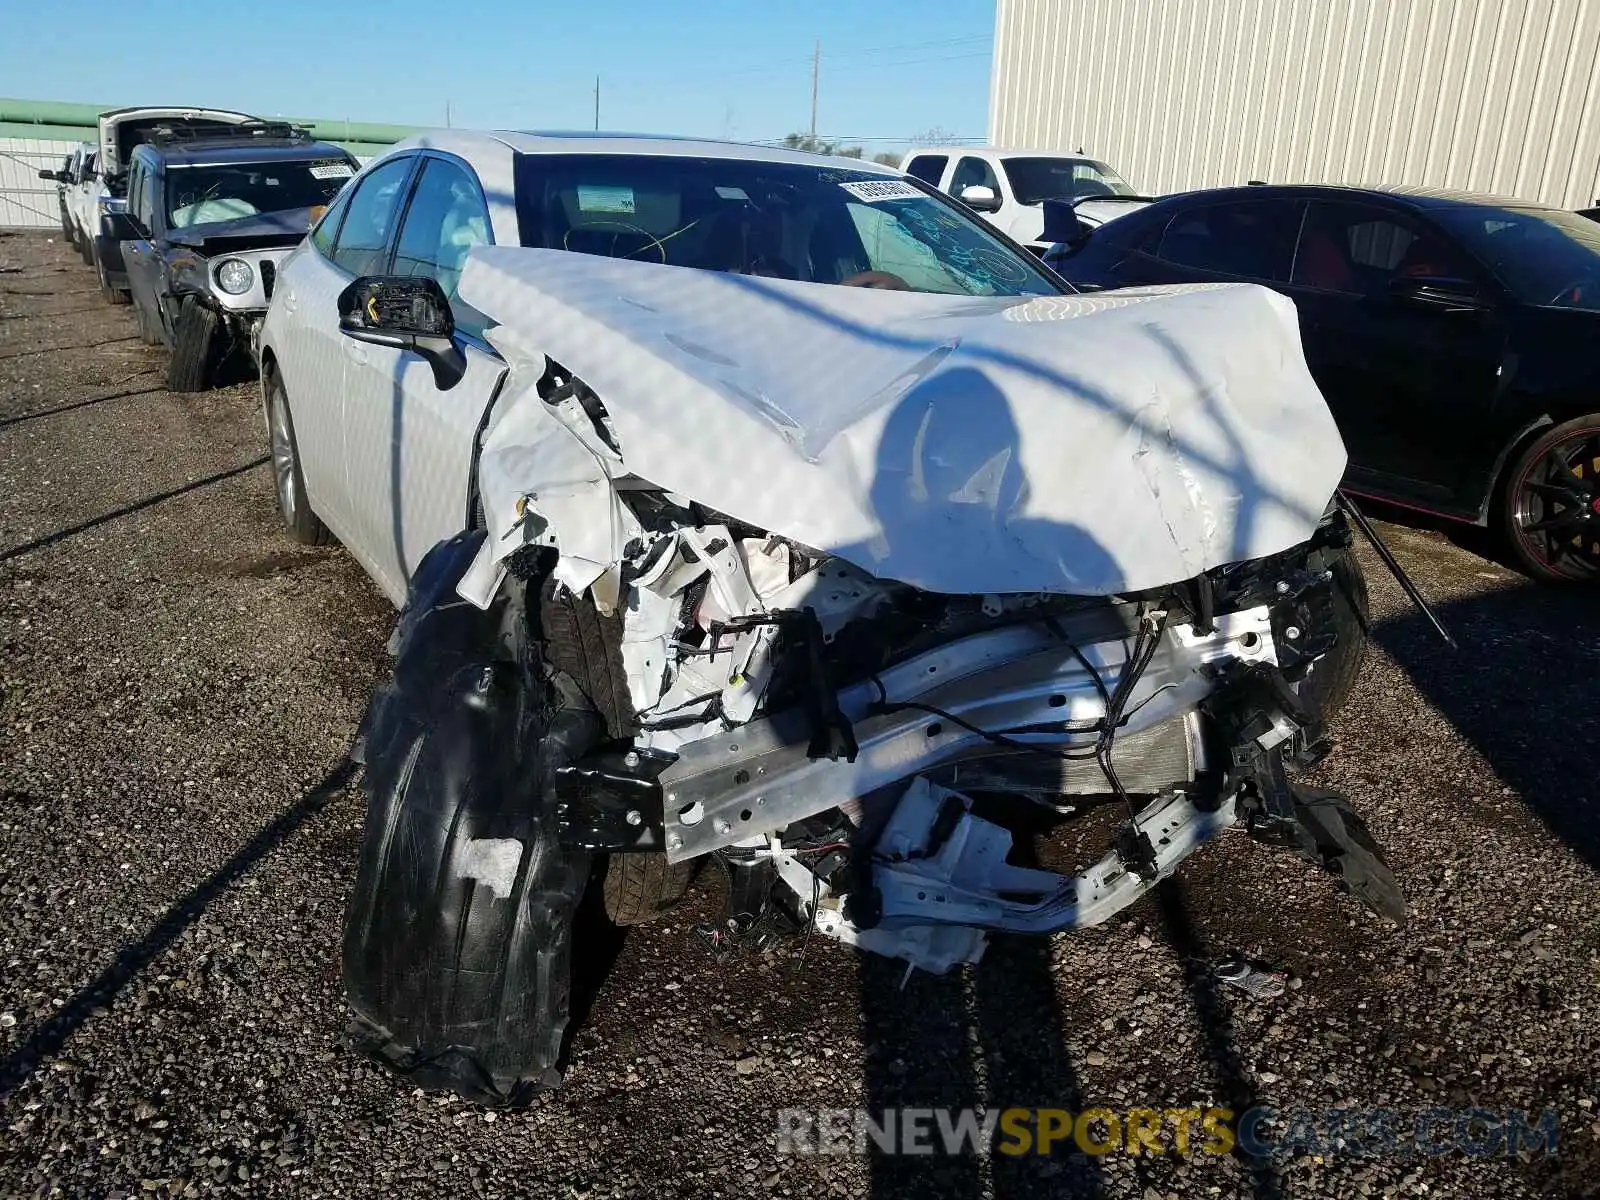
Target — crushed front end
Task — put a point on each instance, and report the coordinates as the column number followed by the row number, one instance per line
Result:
column 862, row 754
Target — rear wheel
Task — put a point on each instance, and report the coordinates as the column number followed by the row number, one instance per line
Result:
column 299, row 522
column 1550, row 504
column 149, row 325
column 112, row 294
column 196, row 345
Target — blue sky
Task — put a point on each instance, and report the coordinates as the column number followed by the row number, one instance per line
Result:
column 890, row 68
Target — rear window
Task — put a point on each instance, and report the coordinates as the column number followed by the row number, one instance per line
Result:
column 813, row 223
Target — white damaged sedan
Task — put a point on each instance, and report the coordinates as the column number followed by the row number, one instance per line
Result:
column 750, row 505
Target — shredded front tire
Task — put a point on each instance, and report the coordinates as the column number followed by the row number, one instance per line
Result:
column 194, row 348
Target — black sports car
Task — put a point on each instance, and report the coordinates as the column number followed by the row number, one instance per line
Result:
column 1456, row 337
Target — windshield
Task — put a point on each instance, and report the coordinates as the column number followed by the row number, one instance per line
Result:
column 1036, row 179
column 816, row 223
column 200, row 195
column 1543, row 256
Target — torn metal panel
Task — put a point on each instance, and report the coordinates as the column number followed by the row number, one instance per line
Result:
column 1089, row 445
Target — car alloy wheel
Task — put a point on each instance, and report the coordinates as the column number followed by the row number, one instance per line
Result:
column 284, row 465
column 1555, row 506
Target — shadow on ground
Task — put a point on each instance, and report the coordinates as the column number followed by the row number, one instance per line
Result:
column 1521, row 689
column 51, row 1037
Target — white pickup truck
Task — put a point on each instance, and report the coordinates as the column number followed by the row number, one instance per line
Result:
column 1008, row 188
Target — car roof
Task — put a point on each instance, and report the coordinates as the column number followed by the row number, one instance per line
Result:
column 228, row 150
column 1000, row 152
column 1407, row 194
column 468, row 143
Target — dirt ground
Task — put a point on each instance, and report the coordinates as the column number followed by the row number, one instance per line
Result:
column 179, row 684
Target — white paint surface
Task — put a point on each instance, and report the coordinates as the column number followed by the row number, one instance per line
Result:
column 1079, row 444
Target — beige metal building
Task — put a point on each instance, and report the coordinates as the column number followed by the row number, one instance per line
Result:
column 1495, row 96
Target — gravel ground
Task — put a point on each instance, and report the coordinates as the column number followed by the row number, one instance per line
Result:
column 178, row 685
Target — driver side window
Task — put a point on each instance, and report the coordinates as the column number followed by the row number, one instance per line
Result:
column 363, row 245
column 447, row 216
column 972, row 172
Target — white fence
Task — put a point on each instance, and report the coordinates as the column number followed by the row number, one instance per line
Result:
column 26, row 201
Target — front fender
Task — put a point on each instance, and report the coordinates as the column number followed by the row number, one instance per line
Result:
column 186, row 274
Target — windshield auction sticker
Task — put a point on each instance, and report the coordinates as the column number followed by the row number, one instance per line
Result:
column 594, row 198
column 874, row 190
column 331, row 170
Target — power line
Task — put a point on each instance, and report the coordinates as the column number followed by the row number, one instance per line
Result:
column 852, row 139
column 908, row 62
column 866, row 50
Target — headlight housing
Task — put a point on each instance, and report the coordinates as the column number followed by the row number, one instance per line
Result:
column 234, row 276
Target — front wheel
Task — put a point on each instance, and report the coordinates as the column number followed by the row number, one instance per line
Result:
column 1550, row 504
column 1328, row 686
column 196, row 342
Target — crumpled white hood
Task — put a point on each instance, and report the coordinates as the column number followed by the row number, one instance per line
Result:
column 1080, row 444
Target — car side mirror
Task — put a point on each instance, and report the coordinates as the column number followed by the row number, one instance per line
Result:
column 1062, row 225
column 122, row 226
column 979, row 198
column 406, row 313
column 1438, row 293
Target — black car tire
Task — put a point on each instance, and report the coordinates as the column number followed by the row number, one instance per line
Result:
column 149, row 325
column 195, row 347
column 85, row 250
column 112, row 295
column 1328, row 686
column 299, row 521
column 642, row 887
column 1536, row 491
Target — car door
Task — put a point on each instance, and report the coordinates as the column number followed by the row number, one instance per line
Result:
column 409, row 445
column 353, row 238
column 140, row 256
column 1411, row 382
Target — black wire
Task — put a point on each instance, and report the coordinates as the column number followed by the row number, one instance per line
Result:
column 1144, row 650
column 811, row 921
column 998, row 739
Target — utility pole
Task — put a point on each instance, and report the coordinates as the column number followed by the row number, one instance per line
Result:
column 447, row 114
column 816, row 69
column 597, row 104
